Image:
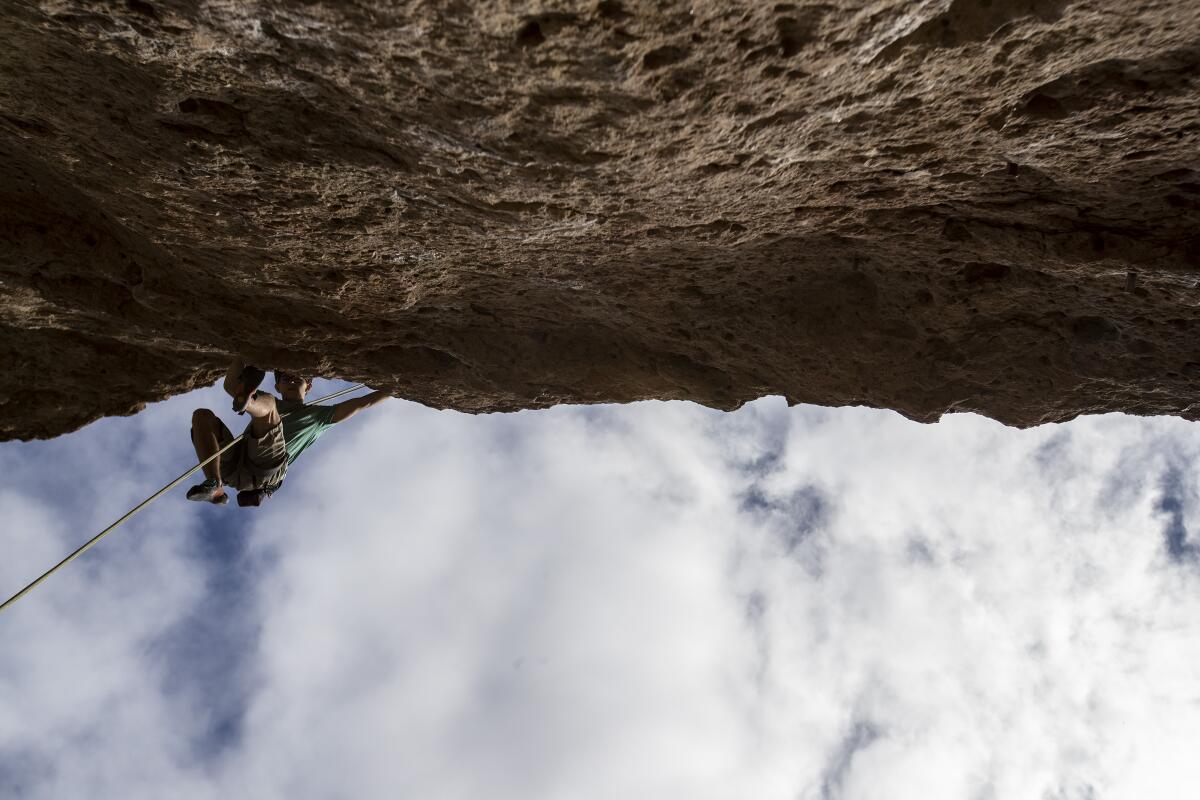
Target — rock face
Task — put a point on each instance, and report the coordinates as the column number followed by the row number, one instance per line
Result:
column 928, row 205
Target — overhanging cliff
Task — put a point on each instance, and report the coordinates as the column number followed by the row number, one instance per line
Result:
column 925, row 206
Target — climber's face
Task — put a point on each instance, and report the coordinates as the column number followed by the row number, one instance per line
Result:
column 291, row 387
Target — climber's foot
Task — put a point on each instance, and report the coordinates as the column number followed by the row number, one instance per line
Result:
column 208, row 492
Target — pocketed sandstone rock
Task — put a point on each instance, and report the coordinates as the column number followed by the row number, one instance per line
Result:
column 490, row 206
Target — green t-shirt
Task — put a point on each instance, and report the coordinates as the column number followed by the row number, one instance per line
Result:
column 302, row 425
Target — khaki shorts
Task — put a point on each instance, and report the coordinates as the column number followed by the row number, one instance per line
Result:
column 253, row 463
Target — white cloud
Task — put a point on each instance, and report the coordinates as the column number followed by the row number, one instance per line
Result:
column 647, row 601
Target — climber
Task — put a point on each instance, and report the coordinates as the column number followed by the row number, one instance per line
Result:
column 279, row 430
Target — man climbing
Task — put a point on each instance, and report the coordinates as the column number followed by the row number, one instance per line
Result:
column 280, row 429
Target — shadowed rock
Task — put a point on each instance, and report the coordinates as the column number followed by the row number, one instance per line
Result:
column 488, row 206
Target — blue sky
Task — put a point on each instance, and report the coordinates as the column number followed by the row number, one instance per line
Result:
column 652, row 600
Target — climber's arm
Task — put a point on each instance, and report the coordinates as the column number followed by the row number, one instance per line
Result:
column 348, row 408
column 232, row 384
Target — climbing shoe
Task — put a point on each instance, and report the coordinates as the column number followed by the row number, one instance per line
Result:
column 252, row 498
column 208, row 492
column 250, row 379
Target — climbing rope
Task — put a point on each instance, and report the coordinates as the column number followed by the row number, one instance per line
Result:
column 150, row 500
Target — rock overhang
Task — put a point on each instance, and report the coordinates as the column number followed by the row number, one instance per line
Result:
column 486, row 206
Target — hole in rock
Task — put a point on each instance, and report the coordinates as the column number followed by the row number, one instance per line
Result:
column 1045, row 106
column 663, row 56
column 530, row 34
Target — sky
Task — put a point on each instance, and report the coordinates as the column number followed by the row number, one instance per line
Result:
column 655, row 600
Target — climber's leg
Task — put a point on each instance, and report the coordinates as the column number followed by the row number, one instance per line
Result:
column 208, row 432
column 241, row 380
column 264, row 415
column 264, row 464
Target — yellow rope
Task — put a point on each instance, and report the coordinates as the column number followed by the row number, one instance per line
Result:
column 147, row 502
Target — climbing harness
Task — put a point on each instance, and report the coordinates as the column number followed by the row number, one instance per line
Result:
column 150, row 500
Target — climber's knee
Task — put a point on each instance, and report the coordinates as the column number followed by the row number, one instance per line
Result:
column 264, row 415
column 203, row 419
column 262, row 404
